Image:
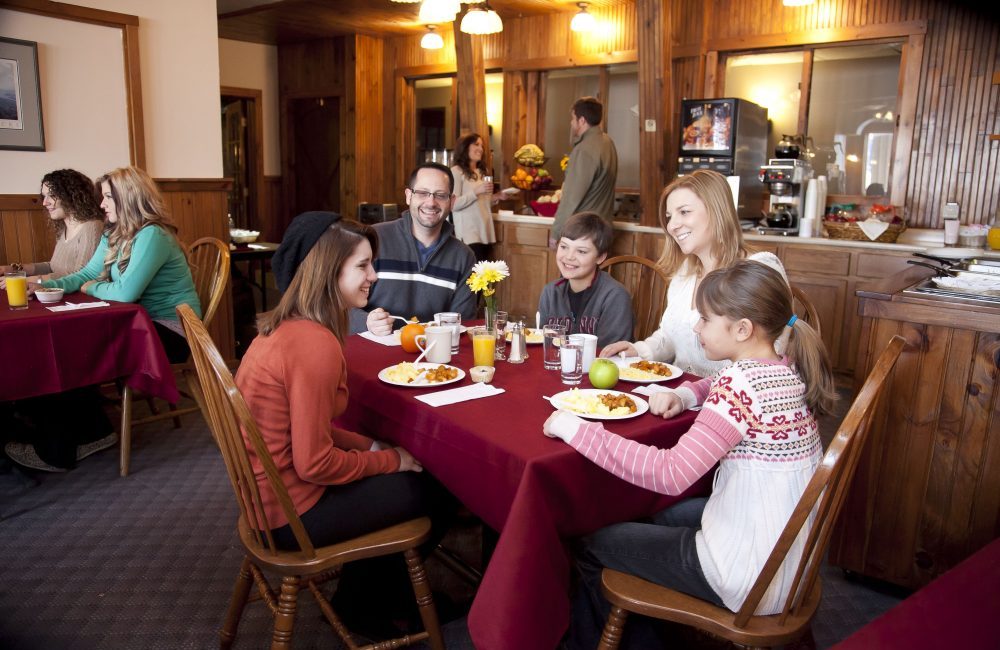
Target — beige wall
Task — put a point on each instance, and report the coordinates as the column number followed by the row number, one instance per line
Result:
column 179, row 57
column 255, row 66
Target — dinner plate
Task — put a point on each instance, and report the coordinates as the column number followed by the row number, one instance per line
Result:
column 559, row 401
column 675, row 372
column 420, row 383
column 954, row 253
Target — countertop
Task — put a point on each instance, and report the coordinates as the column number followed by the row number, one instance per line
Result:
column 911, row 240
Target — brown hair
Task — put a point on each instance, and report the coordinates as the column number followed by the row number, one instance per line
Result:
column 314, row 293
column 590, row 109
column 592, row 226
column 462, row 156
column 713, row 190
column 758, row 293
column 77, row 195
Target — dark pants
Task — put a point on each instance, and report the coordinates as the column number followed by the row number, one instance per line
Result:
column 661, row 551
column 482, row 251
column 347, row 511
column 58, row 423
column 175, row 345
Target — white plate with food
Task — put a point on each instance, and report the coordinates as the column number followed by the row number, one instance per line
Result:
column 421, row 375
column 531, row 336
column 640, row 371
column 600, row 404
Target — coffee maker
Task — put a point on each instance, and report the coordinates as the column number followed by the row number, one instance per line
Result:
column 786, row 180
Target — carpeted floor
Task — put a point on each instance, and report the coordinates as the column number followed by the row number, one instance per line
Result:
column 91, row 560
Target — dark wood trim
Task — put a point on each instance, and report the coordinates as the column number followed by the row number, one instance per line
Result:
column 817, row 36
column 71, row 12
column 257, row 125
column 906, row 116
column 806, row 88
column 580, row 60
column 20, row 202
column 194, row 184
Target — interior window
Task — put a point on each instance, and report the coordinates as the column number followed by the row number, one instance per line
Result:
column 435, row 122
column 770, row 80
column 562, row 88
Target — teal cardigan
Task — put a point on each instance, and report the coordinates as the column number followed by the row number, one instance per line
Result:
column 157, row 277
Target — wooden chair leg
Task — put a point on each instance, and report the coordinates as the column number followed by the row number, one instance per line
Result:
column 126, row 431
column 425, row 600
column 613, row 629
column 284, row 616
column 177, row 419
column 236, row 604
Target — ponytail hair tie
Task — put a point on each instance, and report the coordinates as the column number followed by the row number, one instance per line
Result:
column 791, row 321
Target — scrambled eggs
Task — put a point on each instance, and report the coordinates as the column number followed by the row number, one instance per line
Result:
column 591, row 404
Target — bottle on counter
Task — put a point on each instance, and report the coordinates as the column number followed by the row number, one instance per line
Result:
column 950, row 217
column 993, row 235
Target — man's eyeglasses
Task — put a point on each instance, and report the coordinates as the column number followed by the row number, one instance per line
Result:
column 423, row 195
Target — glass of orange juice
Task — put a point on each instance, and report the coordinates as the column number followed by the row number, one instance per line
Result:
column 483, row 345
column 17, row 289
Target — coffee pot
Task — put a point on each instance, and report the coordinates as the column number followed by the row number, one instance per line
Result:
column 790, row 146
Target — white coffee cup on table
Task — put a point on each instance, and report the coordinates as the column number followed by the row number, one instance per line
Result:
column 589, row 344
column 437, row 340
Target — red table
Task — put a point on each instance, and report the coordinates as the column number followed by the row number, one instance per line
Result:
column 537, row 492
column 48, row 352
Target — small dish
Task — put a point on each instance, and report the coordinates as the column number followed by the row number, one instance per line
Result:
column 48, row 295
column 239, row 236
column 481, row 374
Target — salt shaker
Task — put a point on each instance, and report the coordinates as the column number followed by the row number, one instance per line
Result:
column 518, row 345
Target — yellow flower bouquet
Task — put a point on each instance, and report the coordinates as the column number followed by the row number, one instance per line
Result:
column 484, row 279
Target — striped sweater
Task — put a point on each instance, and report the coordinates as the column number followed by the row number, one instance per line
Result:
column 754, row 422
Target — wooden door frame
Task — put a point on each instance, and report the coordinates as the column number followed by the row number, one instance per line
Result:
column 256, row 127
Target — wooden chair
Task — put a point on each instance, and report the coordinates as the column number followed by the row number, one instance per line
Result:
column 828, row 487
column 803, row 307
column 227, row 414
column 647, row 284
column 209, row 260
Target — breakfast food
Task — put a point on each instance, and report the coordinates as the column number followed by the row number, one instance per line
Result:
column 598, row 404
column 646, row 371
column 531, row 336
column 48, row 290
column 407, row 373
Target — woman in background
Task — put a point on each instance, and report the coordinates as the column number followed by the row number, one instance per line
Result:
column 76, row 217
column 472, row 212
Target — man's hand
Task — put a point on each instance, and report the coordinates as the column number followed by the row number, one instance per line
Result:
column 666, row 405
column 379, row 322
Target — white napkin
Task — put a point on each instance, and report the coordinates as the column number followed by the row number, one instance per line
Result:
column 388, row 339
column 70, row 306
column 455, row 395
column 873, row 227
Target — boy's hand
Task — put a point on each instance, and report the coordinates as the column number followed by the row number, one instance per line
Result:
column 666, row 405
column 619, row 347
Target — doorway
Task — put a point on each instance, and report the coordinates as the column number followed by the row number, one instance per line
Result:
column 314, row 158
column 242, row 154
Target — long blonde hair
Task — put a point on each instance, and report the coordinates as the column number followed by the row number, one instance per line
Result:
column 713, row 190
column 138, row 203
column 314, row 293
column 755, row 291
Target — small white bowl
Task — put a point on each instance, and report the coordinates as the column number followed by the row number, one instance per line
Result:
column 49, row 295
column 481, row 374
column 243, row 236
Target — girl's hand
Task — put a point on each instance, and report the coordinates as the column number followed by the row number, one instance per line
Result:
column 547, row 427
column 87, row 285
column 621, row 346
column 666, row 405
column 407, row 463
column 562, row 424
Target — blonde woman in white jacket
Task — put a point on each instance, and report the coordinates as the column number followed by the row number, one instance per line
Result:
column 473, row 197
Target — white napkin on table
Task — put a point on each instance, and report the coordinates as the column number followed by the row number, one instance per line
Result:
column 70, row 306
column 388, row 339
column 873, row 227
column 455, row 395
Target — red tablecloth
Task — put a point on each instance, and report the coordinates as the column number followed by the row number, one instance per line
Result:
column 957, row 610
column 47, row 352
column 537, row 492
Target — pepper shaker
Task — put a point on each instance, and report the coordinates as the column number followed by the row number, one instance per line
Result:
column 518, row 344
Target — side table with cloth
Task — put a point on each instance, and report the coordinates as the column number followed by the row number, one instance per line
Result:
column 537, row 492
column 46, row 352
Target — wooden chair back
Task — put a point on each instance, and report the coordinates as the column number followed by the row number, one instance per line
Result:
column 647, row 284
column 804, row 309
column 828, row 487
column 234, row 427
column 209, row 261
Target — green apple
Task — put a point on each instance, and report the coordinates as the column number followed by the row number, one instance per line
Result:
column 603, row 373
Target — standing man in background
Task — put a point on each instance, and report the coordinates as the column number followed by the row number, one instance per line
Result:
column 592, row 170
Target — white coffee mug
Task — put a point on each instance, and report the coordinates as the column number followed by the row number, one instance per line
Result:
column 589, row 344
column 438, row 339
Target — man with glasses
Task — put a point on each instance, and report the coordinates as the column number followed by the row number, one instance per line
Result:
column 422, row 267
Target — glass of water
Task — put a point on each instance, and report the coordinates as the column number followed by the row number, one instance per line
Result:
column 552, row 337
column 501, row 346
column 570, row 362
column 452, row 319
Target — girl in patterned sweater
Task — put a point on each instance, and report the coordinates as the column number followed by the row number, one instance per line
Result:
column 757, row 421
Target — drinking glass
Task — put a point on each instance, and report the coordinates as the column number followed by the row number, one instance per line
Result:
column 552, row 336
column 452, row 319
column 501, row 325
column 589, row 344
column 17, row 289
column 571, row 362
column 484, row 341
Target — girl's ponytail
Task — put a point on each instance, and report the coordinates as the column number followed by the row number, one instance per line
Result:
column 806, row 351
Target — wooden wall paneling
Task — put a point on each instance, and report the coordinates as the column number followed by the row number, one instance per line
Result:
column 363, row 102
column 25, row 235
column 906, row 105
column 535, row 98
column 271, row 207
column 407, row 133
column 982, row 520
column 656, row 97
column 805, row 85
column 515, row 118
column 470, row 84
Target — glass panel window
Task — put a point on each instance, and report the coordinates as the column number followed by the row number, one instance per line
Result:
column 622, row 121
column 770, row 80
column 563, row 87
column 435, row 119
column 494, row 115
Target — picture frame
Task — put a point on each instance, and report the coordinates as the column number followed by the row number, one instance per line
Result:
column 20, row 96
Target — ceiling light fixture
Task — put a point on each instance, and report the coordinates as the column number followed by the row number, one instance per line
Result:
column 481, row 20
column 797, row 3
column 583, row 21
column 436, row 12
column 432, row 40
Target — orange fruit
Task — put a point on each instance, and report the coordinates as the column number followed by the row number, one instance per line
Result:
column 408, row 336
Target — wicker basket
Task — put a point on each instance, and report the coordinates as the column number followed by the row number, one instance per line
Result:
column 851, row 231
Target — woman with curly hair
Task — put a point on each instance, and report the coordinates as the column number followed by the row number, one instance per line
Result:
column 471, row 213
column 76, row 217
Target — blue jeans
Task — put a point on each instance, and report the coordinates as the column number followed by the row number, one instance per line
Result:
column 661, row 550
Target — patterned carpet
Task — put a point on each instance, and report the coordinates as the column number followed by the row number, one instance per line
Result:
column 91, row 560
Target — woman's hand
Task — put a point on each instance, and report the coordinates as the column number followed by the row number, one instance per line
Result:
column 666, row 405
column 379, row 322
column 483, row 188
column 407, row 463
column 87, row 285
column 621, row 346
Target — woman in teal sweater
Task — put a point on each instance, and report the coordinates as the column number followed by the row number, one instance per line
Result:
column 140, row 258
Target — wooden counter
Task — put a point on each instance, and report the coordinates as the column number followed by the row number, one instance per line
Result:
column 927, row 491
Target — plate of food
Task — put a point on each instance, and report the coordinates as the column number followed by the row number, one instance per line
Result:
column 421, row 375
column 531, row 336
column 598, row 404
column 641, row 371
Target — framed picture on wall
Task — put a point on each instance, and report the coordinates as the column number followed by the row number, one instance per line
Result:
column 20, row 96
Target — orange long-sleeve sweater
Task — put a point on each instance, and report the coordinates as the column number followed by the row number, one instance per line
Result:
column 295, row 383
